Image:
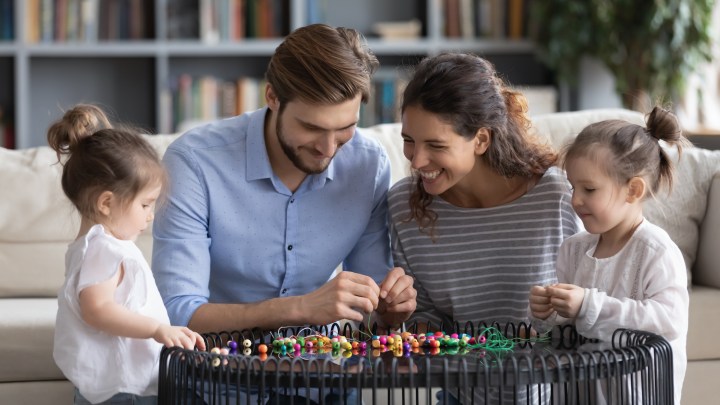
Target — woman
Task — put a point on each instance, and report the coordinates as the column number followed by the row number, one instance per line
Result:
column 482, row 217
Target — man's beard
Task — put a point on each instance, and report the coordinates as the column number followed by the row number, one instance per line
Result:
column 293, row 155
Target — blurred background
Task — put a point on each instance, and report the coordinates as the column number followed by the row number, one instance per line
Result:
column 164, row 64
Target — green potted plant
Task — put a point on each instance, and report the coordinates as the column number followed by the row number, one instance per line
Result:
column 649, row 46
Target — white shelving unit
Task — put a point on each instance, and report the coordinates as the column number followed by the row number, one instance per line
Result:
column 132, row 79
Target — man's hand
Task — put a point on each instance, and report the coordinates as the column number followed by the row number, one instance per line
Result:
column 566, row 299
column 397, row 297
column 347, row 296
column 540, row 306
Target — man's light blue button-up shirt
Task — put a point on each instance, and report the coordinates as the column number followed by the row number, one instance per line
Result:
column 232, row 232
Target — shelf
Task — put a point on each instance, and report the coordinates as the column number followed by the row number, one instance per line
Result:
column 264, row 47
column 138, row 80
column 8, row 48
column 97, row 49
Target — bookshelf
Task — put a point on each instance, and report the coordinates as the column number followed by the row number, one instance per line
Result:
column 133, row 64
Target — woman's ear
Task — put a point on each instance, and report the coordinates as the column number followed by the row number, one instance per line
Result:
column 482, row 141
column 636, row 189
column 105, row 203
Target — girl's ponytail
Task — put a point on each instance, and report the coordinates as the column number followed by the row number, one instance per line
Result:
column 77, row 123
column 663, row 125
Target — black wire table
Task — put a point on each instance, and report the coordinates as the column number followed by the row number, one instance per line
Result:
column 469, row 364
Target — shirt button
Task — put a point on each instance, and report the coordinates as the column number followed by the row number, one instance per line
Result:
column 292, row 201
column 289, row 247
column 284, row 291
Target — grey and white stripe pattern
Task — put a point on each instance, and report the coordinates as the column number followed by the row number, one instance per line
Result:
column 483, row 261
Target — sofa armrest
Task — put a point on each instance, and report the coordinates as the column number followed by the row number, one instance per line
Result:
column 707, row 266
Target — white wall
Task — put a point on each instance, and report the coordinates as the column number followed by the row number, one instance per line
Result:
column 596, row 86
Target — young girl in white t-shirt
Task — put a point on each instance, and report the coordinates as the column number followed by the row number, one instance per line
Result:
column 111, row 321
column 623, row 271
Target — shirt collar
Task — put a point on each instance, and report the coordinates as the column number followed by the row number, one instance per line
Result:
column 258, row 162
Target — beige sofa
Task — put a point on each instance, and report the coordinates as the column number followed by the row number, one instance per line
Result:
column 37, row 223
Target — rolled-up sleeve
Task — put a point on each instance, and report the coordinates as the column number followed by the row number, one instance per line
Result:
column 181, row 255
column 371, row 254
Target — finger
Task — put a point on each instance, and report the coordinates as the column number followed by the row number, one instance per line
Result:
column 564, row 286
column 350, row 301
column 358, row 290
column 391, row 279
column 353, row 281
column 190, row 337
column 539, row 290
column 182, row 341
column 200, row 342
column 351, row 314
column 534, row 299
column 540, row 307
column 401, row 289
column 401, row 306
column 189, row 342
column 402, row 293
column 559, row 303
column 543, row 309
column 360, row 279
column 404, row 308
column 559, row 293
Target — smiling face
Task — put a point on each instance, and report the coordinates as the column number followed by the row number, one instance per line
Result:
column 311, row 135
column 598, row 199
column 128, row 221
column 439, row 155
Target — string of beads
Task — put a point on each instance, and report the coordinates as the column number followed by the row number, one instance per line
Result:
column 401, row 344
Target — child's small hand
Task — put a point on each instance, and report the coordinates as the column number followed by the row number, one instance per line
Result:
column 540, row 302
column 180, row 336
column 566, row 299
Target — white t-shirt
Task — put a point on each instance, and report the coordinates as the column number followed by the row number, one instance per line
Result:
column 642, row 287
column 98, row 364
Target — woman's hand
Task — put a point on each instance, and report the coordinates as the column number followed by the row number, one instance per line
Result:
column 397, row 297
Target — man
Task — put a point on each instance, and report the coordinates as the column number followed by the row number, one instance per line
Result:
column 262, row 207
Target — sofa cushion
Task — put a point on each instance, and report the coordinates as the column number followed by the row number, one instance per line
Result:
column 26, row 331
column 389, row 137
column 682, row 211
column 703, row 327
column 560, row 128
column 36, row 223
column 707, row 266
